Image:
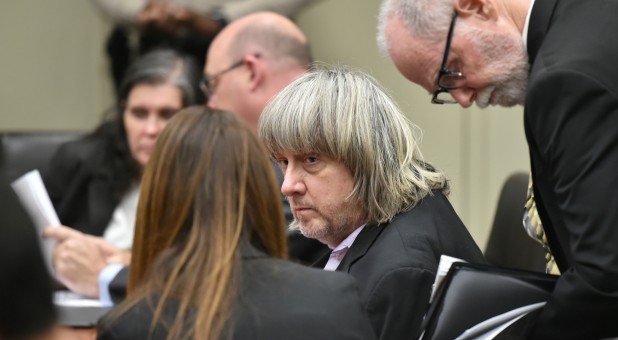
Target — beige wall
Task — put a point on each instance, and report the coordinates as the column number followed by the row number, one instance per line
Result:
column 54, row 77
column 52, row 65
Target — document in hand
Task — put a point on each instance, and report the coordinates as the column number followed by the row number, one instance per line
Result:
column 35, row 199
column 73, row 310
column 476, row 301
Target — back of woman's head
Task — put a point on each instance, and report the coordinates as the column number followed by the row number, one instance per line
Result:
column 209, row 185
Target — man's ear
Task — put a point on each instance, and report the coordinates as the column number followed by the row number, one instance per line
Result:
column 482, row 9
column 257, row 73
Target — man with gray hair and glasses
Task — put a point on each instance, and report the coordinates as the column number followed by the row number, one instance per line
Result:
column 558, row 59
column 357, row 182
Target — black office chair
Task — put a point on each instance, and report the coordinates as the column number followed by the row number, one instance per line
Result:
column 509, row 245
column 21, row 152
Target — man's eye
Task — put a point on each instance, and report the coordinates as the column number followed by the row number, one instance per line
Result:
column 282, row 163
column 454, row 65
column 311, row 159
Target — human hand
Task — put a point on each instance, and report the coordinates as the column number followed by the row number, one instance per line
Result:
column 111, row 253
column 79, row 258
column 173, row 19
column 195, row 22
column 156, row 16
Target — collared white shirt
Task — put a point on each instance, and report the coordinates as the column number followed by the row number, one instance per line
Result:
column 121, row 227
column 339, row 252
column 524, row 33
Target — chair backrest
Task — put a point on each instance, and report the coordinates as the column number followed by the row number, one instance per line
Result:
column 509, row 245
column 24, row 151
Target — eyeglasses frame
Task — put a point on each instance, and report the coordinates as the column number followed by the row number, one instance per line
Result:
column 206, row 79
column 443, row 70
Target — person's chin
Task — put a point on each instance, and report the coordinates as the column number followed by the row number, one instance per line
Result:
column 485, row 97
column 310, row 228
column 142, row 159
column 506, row 101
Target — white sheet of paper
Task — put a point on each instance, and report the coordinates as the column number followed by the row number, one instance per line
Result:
column 443, row 268
column 35, row 199
column 68, row 298
column 491, row 327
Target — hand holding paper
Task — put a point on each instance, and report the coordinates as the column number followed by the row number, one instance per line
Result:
column 77, row 259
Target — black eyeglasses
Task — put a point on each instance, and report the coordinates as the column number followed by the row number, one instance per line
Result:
column 208, row 84
column 447, row 79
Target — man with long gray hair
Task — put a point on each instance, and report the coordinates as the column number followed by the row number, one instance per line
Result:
column 357, row 182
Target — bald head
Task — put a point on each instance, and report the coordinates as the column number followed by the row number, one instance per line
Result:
column 270, row 51
column 268, row 34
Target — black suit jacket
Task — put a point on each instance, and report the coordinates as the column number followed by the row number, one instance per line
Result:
column 395, row 263
column 277, row 300
column 571, row 122
column 80, row 183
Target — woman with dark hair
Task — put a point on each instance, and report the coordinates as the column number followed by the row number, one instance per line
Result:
column 208, row 247
column 94, row 182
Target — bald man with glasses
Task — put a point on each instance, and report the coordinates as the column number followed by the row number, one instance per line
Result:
column 249, row 62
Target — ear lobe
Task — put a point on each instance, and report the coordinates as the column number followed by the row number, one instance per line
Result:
column 483, row 9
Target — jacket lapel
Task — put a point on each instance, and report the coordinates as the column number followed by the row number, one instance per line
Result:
column 101, row 202
column 321, row 263
column 540, row 20
column 361, row 245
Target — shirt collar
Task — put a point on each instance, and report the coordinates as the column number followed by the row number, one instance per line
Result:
column 347, row 242
column 524, row 33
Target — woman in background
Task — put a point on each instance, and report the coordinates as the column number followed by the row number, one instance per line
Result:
column 94, row 182
column 208, row 246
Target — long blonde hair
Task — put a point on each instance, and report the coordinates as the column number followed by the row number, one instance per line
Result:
column 208, row 186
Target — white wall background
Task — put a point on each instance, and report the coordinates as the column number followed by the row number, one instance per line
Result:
column 54, row 77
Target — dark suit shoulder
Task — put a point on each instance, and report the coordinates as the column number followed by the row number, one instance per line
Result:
column 430, row 229
column 276, row 300
column 293, row 301
column 395, row 263
column 86, row 149
column 82, row 184
column 79, row 157
column 135, row 323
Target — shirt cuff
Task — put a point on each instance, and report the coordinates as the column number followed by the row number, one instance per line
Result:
column 105, row 277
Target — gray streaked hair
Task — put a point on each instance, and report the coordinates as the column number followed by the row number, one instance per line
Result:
column 346, row 115
column 426, row 19
column 164, row 66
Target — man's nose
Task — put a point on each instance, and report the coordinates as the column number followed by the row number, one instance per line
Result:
column 464, row 96
column 292, row 182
